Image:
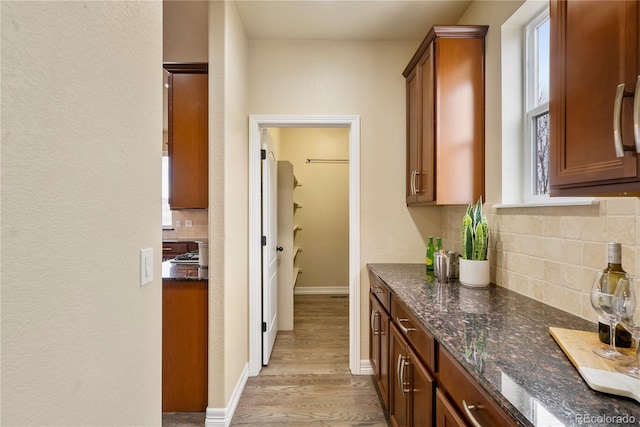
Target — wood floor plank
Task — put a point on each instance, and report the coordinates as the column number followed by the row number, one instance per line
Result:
column 308, row 382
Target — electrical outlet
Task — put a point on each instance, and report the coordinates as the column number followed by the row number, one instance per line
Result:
column 188, row 223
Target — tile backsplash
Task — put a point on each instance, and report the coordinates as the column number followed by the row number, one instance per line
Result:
column 199, row 225
column 551, row 254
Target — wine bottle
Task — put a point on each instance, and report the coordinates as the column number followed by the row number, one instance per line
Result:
column 430, row 252
column 615, row 270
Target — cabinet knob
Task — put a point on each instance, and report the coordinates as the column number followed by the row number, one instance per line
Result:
column 279, row 248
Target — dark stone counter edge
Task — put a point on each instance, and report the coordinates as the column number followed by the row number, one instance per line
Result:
column 497, row 396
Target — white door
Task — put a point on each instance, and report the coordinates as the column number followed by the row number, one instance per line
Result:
column 269, row 250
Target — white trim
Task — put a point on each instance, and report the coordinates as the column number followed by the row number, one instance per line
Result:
column 221, row 417
column 549, row 203
column 321, row 290
column 255, row 332
column 366, row 368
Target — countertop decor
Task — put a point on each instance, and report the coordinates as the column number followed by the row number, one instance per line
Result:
column 505, row 345
column 173, row 271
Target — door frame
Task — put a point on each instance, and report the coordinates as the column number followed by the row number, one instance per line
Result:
column 256, row 123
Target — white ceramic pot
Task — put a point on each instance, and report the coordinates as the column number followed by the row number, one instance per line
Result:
column 474, row 274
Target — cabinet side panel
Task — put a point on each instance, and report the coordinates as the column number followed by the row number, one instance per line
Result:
column 460, row 120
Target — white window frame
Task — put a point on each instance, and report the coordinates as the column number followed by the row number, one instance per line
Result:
column 167, row 219
column 530, row 109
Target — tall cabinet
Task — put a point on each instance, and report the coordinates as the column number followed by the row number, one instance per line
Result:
column 289, row 264
column 445, row 96
column 594, row 98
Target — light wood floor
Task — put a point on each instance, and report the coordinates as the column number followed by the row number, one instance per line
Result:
column 307, row 382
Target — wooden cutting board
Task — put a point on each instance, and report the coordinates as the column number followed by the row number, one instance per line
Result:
column 599, row 373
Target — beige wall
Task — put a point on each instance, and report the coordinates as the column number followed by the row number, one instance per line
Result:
column 81, row 120
column 324, row 196
column 363, row 78
column 228, row 202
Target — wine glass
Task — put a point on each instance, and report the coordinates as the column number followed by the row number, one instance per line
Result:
column 602, row 302
column 628, row 310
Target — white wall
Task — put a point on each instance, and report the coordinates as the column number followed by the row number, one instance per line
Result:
column 324, row 196
column 363, row 78
column 81, row 121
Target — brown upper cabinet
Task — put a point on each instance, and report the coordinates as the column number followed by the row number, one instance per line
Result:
column 594, row 73
column 445, row 117
column 188, row 127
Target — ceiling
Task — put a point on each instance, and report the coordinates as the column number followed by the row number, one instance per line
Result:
column 346, row 19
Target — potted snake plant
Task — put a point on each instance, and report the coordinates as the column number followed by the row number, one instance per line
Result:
column 474, row 265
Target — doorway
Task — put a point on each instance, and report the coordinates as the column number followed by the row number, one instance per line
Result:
column 256, row 124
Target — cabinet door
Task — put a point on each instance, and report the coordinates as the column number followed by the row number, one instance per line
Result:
column 414, row 105
column 383, row 379
column 446, row 415
column 422, row 385
column 399, row 386
column 426, row 156
column 188, row 123
column 379, row 346
column 374, row 335
column 420, row 131
column 594, row 48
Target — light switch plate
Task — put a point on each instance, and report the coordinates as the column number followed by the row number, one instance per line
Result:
column 146, row 266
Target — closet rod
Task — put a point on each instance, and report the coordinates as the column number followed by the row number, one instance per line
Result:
column 327, row 161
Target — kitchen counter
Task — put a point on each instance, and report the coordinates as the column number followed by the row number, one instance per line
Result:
column 186, row 272
column 502, row 339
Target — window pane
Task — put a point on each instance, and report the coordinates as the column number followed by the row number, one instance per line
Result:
column 541, row 135
column 542, row 60
column 166, row 210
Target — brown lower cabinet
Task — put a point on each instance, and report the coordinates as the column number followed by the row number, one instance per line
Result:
column 446, row 414
column 411, row 387
column 379, row 345
column 425, row 386
column 184, row 345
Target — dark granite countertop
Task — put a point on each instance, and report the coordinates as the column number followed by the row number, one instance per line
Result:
column 502, row 339
column 173, row 271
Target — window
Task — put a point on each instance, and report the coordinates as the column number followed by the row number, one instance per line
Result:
column 166, row 210
column 536, row 98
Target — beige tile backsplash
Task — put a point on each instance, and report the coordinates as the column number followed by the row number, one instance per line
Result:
column 552, row 253
column 198, row 230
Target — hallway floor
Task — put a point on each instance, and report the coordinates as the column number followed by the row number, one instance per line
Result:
column 307, row 382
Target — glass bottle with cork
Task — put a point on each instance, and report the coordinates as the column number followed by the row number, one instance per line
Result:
column 615, row 270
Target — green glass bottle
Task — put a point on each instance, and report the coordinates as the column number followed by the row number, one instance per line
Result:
column 430, row 252
column 438, row 244
column 614, row 268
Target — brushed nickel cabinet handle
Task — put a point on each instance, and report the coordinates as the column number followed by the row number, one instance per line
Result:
column 413, row 183
column 468, row 409
column 617, row 121
column 374, row 326
column 636, row 115
column 399, row 372
column 404, row 328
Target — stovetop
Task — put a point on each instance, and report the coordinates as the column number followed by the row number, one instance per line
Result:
column 187, row 258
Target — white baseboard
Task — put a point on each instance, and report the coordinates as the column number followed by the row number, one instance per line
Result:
column 321, row 290
column 221, row 417
column 365, row 368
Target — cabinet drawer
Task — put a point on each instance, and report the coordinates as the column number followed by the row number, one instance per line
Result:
column 467, row 395
column 380, row 290
column 421, row 340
